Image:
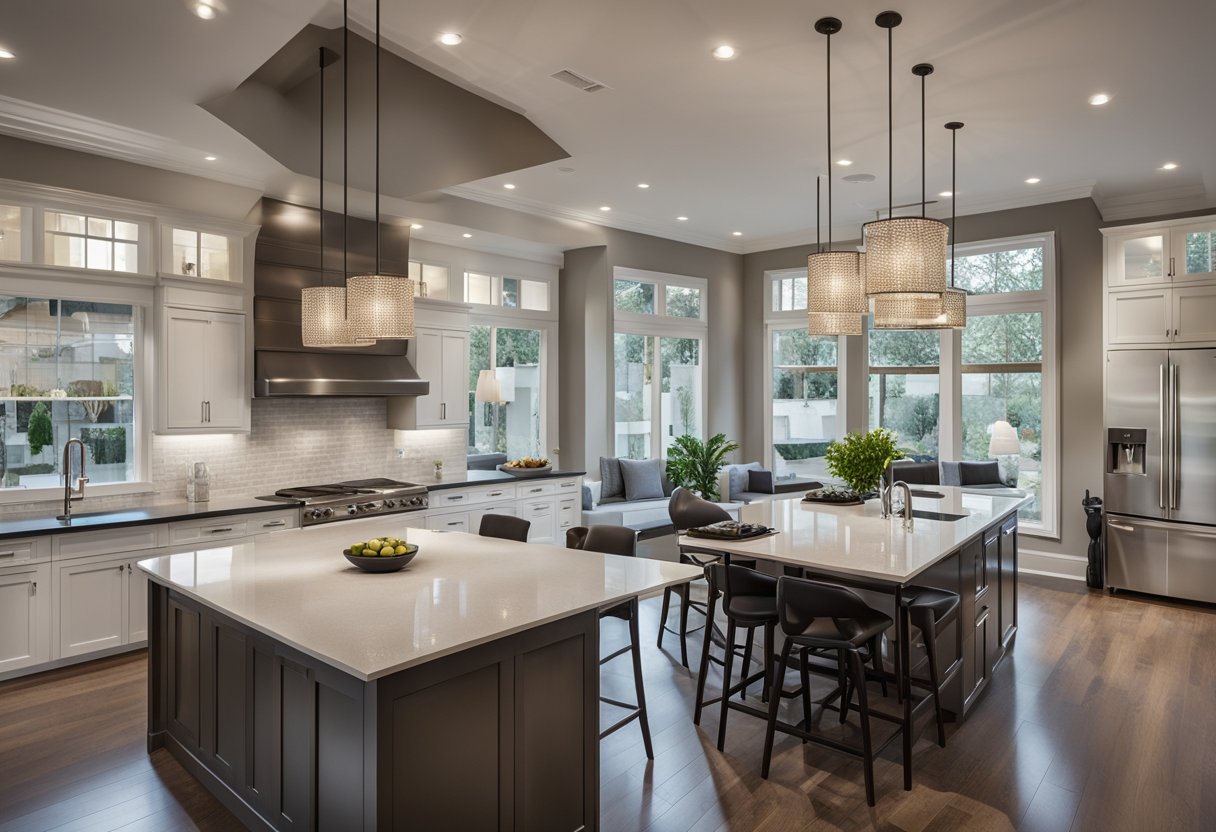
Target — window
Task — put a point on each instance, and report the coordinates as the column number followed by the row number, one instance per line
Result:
column 660, row 332
column 67, row 369
column 516, row 356
column 804, row 401
column 85, row 242
column 12, row 232
column 1200, row 247
column 1008, row 364
column 789, row 292
column 199, row 254
column 506, row 292
column 905, row 388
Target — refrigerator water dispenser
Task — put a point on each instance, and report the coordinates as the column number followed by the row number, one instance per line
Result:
column 1125, row 450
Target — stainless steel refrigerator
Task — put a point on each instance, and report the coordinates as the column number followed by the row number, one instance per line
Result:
column 1160, row 482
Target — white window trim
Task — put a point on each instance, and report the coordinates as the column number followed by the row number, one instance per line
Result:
column 771, row 277
column 141, row 300
column 549, row 333
column 661, row 281
column 497, row 309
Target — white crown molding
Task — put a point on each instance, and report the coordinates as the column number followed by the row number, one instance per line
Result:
column 969, row 207
column 1155, row 203
column 524, row 250
column 27, row 120
column 618, row 221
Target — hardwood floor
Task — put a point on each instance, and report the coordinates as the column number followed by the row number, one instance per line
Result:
column 1103, row 719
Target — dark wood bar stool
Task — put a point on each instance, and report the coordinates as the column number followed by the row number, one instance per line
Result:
column 816, row 616
column 749, row 600
column 930, row 611
column 504, row 527
column 688, row 511
column 619, row 540
column 714, row 577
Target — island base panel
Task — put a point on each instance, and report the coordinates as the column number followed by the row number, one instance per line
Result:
column 501, row 736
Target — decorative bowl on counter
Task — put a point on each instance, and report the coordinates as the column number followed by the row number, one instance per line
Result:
column 526, row 467
column 382, row 563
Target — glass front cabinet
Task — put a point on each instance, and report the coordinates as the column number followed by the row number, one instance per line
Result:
column 1182, row 251
column 189, row 251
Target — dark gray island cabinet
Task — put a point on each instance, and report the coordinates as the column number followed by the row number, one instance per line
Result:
column 459, row 694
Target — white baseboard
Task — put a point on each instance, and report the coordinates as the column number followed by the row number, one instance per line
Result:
column 1034, row 562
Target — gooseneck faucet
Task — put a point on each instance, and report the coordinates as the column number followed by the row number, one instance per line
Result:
column 887, row 510
column 70, row 494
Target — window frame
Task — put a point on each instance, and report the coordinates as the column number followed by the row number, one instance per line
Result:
column 659, row 325
column 144, row 246
column 496, row 280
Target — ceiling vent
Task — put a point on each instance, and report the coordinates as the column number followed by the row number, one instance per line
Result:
column 585, row 84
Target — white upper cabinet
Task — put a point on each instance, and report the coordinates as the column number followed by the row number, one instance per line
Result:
column 202, row 362
column 1141, row 316
column 205, row 254
column 1194, row 315
column 1193, row 251
column 442, row 358
column 1137, row 258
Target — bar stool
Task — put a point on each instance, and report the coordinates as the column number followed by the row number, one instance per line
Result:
column 714, row 578
column 749, row 600
column 618, row 540
column 931, row 610
column 688, row 511
column 504, row 527
column 817, row 616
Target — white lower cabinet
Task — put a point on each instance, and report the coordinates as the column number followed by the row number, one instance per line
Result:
column 508, row 509
column 25, row 616
column 550, row 505
column 542, row 514
column 569, row 513
column 93, row 603
column 456, row 521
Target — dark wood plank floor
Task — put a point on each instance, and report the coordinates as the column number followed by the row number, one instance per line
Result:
column 1104, row 719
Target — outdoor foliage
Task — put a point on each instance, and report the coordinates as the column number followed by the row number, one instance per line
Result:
column 108, row 445
column 40, row 432
column 694, row 464
column 860, row 459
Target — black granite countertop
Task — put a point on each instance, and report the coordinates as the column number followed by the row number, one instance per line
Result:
column 467, row 478
column 136, row 516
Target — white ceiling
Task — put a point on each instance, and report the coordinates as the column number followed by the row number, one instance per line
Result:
column 732, row 145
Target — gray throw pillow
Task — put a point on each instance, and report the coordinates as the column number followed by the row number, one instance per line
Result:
column 737, row 476
column 979, row 473
column 611, row 482
column 587, row 502
column 643, row 478
column 760, row 482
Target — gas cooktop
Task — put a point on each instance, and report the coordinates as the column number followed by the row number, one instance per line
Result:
column 331, row 502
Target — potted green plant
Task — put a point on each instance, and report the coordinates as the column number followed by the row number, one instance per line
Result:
column 40, row 432
column 860, row 459
column 694, row 464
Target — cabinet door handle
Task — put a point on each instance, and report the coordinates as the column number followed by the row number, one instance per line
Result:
column 34, row 588
column 274, row 523
column 535, row 490
column 1171, row 274
column 443, row 410
column 454, row 497
column 219, row 531
column 202, row 406
column 454, row 523
column 208, row 411
column 122, row 567
column 1175, row 333
column 128, row 568
column 494, row 494
column 1121, row 528
column 8, row 554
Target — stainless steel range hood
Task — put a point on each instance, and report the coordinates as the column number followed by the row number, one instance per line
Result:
column 286, row 260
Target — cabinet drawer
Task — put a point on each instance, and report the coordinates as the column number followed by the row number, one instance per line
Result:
column 279, row 521
column 493, row 493
column 444, row 499
column 182, row 533
column 126, row 539
column 536, row 489
column 536, row 508
column 571, row 485
column 18, row 552
column 457, row 521
column 568, row 511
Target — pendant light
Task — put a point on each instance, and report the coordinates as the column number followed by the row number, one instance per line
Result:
column 954, row 302
column 380, row 306
column 905, row 256
column 835, row 280
column 323, row 320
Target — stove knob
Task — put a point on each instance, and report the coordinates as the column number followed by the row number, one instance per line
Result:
column 313, row 514
column 329, row 512
column 352, row 510
column 390, row 503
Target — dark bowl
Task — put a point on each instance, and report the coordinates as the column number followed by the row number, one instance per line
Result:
column 525, row 473
column 381, row 564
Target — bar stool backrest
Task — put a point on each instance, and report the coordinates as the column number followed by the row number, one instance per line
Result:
column 609, row 540
column 800, row 601
column 688, row 511
column 504, row 527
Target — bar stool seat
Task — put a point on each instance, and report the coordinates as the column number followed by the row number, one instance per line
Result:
column 752, row 609
column 842, row 633
column 930, row 610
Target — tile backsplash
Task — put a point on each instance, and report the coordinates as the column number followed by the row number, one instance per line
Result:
column 296, row 442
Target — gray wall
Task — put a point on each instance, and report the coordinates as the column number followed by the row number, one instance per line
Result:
column 586, row 336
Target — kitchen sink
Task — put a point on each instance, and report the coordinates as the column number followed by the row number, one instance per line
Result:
column 937, row 515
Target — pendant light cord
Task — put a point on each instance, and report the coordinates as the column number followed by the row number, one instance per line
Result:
column 321, row 165
column 890, row 123
column 922, row 146
column 953, row 198
column 345, row 139
column 818, row 239
column 829, row 120
column 377, row 136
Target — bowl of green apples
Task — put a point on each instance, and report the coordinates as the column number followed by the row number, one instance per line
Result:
column 381, row 554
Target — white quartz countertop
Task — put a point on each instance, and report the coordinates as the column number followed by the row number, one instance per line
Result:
column 856, row 540
column 460, row 591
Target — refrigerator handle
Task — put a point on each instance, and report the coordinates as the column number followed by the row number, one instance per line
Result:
column 1175, row 429
column 1162, row 401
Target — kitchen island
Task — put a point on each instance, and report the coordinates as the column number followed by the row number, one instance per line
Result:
column 961, row 540
column 460, row 693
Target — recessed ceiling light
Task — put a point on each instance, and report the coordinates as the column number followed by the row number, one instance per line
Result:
column 643, row 185
column 205, row 10
column 451, row 38
column 565, row 170
column 946, row 194
column 5, row 55
column 844, row 163
column 1099, row 99
column 737, row 233
column 1034, row 180
column 682, row 219
column 210, row 158
column 605, row 207
column 1170, row 166
column 415, row 226
column 466, row 235
column 724, row 52
column 508, row 186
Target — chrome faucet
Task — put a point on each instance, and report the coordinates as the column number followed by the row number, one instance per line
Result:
column 70, row 494
column 888, row 511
